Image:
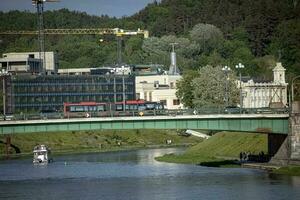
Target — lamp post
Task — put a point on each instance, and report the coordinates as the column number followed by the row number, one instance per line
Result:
column 239, row 67
column 123, row 86
column 226, row 70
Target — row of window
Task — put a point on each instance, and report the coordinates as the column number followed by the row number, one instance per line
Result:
column 70, row 89
column 71, row 80
column 45, row 99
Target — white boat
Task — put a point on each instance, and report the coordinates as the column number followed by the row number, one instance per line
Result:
column 41, row 154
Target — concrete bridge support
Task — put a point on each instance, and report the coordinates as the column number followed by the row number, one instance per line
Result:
column 275, row 141
column 7, row 145
column 289, row 151
column 294, row 134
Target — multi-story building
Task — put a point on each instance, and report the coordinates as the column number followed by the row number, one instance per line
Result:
column 266, row 94
column 34, row 93
column 158, row 88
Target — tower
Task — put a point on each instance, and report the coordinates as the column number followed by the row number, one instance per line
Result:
column 279, row 73
column 173, row 70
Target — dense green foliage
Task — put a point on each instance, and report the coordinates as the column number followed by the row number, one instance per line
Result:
column 214, row 32
column 219, row 147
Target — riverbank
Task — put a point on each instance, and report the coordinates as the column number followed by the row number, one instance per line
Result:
column 96, row 141
column 221, row 149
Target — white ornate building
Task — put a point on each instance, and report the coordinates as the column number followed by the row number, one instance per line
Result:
column 266, row 94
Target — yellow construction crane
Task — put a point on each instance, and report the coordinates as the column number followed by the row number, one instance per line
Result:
column 119, row 33
column 82, row 31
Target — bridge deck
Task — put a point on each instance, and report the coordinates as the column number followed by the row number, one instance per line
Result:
column 263, row 123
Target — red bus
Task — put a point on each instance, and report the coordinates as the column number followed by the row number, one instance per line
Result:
column 87, row 109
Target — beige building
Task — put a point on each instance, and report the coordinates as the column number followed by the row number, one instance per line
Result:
column 159, row 88
column 266, row 94
column 28, row 62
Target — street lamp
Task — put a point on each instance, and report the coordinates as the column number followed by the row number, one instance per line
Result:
column 239, row 67
column 123, row 86
column 226, row 70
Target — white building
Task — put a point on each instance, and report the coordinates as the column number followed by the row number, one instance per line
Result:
column 266, row 94
column 158, row 88
column 28, row 62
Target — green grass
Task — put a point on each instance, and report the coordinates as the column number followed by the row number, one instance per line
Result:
column 82, row 141
column 220, row 147
column 289, row 170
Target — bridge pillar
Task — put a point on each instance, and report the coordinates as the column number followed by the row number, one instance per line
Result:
column 289, row 152
column 294, row 132
column 275, row 141
column 7, row 145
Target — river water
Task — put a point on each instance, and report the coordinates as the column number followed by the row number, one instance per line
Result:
column 136, row 175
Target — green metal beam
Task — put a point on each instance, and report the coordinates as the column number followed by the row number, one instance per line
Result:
column 254, row 123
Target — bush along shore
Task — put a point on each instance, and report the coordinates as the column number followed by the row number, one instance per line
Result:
column 95, row 141
column 223, row 150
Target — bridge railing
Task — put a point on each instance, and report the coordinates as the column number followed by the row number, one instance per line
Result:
column 202, row 111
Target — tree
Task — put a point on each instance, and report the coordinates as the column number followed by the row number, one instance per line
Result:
column 185, row 89
column 285, row 45
column 208, row 36
column 209, row 87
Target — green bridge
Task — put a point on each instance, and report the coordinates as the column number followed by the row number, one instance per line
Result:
column 260, row 123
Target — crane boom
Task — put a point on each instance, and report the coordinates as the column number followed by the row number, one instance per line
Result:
column 81, row 31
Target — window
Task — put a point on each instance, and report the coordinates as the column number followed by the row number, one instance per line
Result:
column 176, row 102
column 138, row 95
column 100, row 108
column 119, row 107
column 164, row 102
column 172, row 85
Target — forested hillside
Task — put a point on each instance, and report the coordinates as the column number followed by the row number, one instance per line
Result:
column 257, row 33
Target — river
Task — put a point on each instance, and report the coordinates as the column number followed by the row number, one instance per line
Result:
column 136, row 175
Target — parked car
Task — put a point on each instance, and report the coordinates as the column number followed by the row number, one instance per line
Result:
column 232, row 110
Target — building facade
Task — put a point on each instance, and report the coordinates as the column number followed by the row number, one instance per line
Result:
column 35, row 93
column 266, row 94
column 158, row 88
column 28, row 62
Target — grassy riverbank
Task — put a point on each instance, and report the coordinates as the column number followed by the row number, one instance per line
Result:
column 106, row 140
column 220, row 149
column 289, row 170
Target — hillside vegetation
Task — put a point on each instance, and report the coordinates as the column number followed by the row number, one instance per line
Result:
column 256, row 33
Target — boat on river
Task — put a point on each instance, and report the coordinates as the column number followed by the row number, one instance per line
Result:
column 41, row 155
